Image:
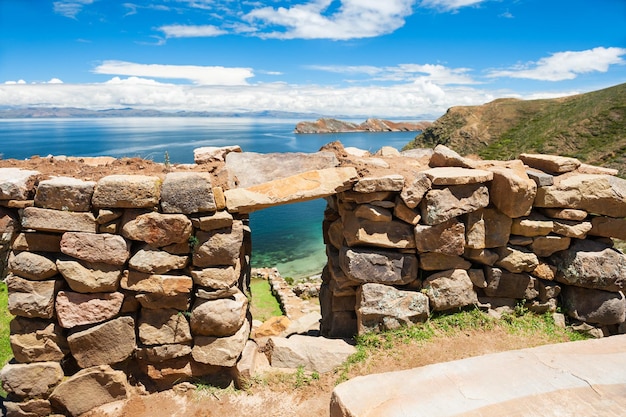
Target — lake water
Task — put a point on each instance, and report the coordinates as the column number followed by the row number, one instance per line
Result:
column 288, row 237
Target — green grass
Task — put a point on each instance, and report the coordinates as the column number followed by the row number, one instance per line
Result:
column 263, row 304
column 6, row 354
column 521, row 322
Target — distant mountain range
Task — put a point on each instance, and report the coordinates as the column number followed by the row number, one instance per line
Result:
column 590, row 127
column 74, row 112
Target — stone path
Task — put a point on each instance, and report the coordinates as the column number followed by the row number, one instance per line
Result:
column 584, row 378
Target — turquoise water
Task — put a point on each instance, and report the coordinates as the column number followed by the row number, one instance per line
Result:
column 289, row 237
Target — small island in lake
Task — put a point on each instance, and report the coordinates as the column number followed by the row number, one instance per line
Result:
column 325, row 125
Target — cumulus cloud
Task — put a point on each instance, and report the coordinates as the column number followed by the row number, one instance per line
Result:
column 566, row 65
column 400, row 100
column 435, row 73
column 191, row 31
column 70, row 8
column 202, row 75
column 317, row 20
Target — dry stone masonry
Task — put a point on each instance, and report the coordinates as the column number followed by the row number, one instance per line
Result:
column 146, row 277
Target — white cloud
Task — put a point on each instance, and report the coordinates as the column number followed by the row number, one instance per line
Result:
column 55, row 81
column 449, row 5
column 435, row 73
column 202, row 75
column 15, row 82
column 353, row 19
column 70, row 8
column 566, row 65
column 400, row 100
column 191, row 31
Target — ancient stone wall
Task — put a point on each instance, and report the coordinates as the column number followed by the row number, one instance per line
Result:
column 139, row 274
column 531, row 233
column 146, row 276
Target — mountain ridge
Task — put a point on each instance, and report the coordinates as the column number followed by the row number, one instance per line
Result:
column 589, row 126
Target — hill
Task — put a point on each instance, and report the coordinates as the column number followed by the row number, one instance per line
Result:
column 590, row 127
column 325, row 125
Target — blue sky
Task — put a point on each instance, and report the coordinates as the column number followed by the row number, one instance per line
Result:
column 391, row 58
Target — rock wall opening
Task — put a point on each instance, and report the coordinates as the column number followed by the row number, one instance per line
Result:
column 142, row 275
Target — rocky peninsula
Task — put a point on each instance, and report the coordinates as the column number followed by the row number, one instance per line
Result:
column 326, row 125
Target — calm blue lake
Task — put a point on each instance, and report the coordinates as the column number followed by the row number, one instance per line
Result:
column 289, row 237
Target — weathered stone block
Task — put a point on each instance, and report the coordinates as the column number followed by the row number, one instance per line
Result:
column 516, row 259
column 31, row 408
column 535, row 225
column 414, row 190
column 385, row 267
column 90, row 388
column 594, row 306
column 221, row 351
column 504, row 284
column 382, row 307
column 219, row 220
column 34, row 340
column 550, row 163
column 32, row 299
column 573, row 229
column 591, row 264
column 90, row 277
column 392, row 182
column 405, row 213
column 187, row 193
column 457, row 176
column 31, row 380
column 512, row 192
column 313, row 354
column 154, row 301
column 76, row 309
column 444, row 204
column 208, row 154
column 156, row 229
column 487, row 228
column 163, row 326
column 17, row 184
column 154, row 261
column 63, row 193
column 37, row 242
column 545, row 246
column 32, row 266
column 608, row 227
column 433, row 261
column 219, row 247
column 91, row 247
column 373, row 213
column 57, row 221
column 599, row 194
column 302, row 187
column 157, row 284
column 217, row 277
column 104, row 344
column 221, row 317
column 447, row 238
column 127, row 191
column 392, row 234
column 163, row 353
column 450, row 289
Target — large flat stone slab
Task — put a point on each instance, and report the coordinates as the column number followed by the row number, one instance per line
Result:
column 306, row 186
column 246, row 169
column 578, row 378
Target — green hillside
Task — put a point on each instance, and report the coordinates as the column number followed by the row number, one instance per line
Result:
column 590, row 127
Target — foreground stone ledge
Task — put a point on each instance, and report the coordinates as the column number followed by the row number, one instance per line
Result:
column 302, row 187
column 576, row 378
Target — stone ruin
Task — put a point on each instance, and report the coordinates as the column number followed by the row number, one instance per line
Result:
column 146, row 277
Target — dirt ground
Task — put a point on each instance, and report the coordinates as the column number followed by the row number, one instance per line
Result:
column 279, row 397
